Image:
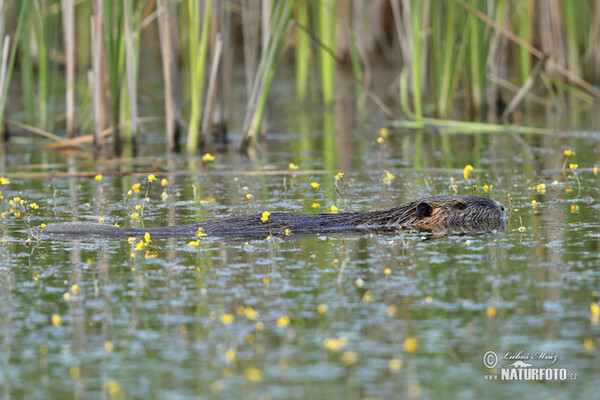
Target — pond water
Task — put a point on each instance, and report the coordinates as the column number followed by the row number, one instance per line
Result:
column 403, row 315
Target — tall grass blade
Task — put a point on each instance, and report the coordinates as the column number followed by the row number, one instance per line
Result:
column 198, row 55
column 257, row 103
column 8, row 61
column 326, row 11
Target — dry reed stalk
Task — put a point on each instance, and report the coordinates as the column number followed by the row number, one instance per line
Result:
column 250, row 36
column 2, row 21
column 594, row 48
column 68, row 12
column 496, row 64
column 534, row 51
column 527, row 86
column 130, row 69
column 4, row 65
column 227, row 58
column 167, row 26
column 551, row 34
column 95, row 75
column 211, row 92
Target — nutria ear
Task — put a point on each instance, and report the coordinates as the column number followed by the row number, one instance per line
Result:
column 424, row 210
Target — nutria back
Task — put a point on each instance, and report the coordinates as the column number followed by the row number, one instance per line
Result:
column 440, row 213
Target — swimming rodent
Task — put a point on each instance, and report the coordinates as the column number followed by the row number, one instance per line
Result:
column 436, row 214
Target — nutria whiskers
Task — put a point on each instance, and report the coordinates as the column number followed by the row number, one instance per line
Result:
column 452, row 213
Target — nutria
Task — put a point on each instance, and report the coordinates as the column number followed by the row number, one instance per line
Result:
column 451, row 213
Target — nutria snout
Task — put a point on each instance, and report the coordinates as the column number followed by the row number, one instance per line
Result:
column 440, row 213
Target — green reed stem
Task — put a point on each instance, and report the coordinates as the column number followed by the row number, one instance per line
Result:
column 326, row 18
column 23, row 14
column 302, row 51
column 281, row 16
column 198, row 52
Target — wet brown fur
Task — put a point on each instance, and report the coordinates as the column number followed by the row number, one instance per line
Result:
column 452, row 213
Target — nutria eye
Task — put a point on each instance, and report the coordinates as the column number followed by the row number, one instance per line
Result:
column 502, row 208
column 460, row 206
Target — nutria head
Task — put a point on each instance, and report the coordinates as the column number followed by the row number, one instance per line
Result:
column 457, row 213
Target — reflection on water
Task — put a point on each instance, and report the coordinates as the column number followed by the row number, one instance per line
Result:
column 343, row 316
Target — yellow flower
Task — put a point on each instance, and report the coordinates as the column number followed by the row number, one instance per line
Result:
column 151, row 178
column 56, row 320
column 265, row 216
column 315, row 204
column 368, row 297
column 74, row 371
column 491, row 312
column 588, row 344
column 322, row 309
column 266, row 279
column 569, row 153
column 315, row 185
column 200, row 232
column 164, row 182
column 541, row 188
column 573, row 166
column 208, row 157
column 411, row 344
column 334, row 209
column 248, row 196
column 595, row 309
column 136, row 187
column 230, row 355
column 595, row 170
column 34, row 206
column 574, row 208
column 349, row 358
column 75, row 289
column 194, row 243
column 98, row 177
column 388, row 176
column 486, row 188
column 394, row 365
column 335, row 344
column 288, row 232
column 467, row 171
column 227, row 319
column 100, row 220
column 138, row 207
column 251, row 313
column 3, row 214
column 384, row 132
column 253, row 374
column 113, row 388
column 135, row 216
column 533, row 203
column 391, row 310
column 4, row 181
column 139, row 246
column 380, row 140
column 283, row 321
column 293, row 166
column 131, row 240
column 109, row 346
column 147, row 237
column 339, row 175
column 67, row 296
